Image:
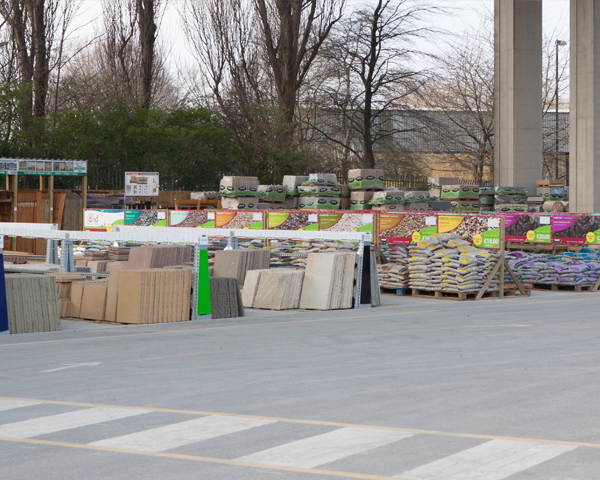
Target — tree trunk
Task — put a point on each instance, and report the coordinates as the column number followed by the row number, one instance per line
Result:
column 147, row 39
column 41, row 70
column 368, row 160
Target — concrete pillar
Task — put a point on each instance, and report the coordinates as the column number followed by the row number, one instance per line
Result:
column 584, row 139
column 518, row 93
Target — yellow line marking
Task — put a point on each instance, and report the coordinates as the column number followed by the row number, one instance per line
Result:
column 316, row 422
column 277, row 324
column 235, row 463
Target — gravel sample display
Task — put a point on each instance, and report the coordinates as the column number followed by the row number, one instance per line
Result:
column 195, row 218
column 146, row 219
column 409, row 225
column 470, row 227
column 524, row 224
column 350, row 222
column 241, row 220
column 295, row 221
column 581, row 227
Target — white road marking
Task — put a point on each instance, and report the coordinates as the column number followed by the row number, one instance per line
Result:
column 10, row 404
column 492, row 460
column 65, row 421
column 318, row 450
column 72, row 365
column 184, row 433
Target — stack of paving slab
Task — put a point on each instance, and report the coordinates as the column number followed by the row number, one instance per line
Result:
column 235, row 263
column 273, row 289
column 134, row 296
column 118, row 254
column 159, row 256
column 225, row 298
column 64, row 282
column 91, row 254
column 153, row 296
column 32, row 303
column 328, row 281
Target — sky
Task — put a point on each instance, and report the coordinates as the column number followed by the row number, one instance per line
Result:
column 464, row 14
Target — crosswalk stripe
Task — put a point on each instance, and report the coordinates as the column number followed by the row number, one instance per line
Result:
column 65, row 421
column 6, row 404
column 179, row 434
column 493, row 460
column 320, row 449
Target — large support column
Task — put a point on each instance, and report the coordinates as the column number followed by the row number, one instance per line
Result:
column 584, row 143
column 518, row 93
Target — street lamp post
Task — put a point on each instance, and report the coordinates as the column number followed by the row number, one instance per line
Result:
column 559, row 43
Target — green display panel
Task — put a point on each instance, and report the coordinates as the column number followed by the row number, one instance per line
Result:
column 203, row 307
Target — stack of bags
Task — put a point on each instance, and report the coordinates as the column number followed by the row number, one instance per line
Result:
column 205, row 196
column 315, row 246
column 417, row 200
column 463, row 198
column 389, row 199
column 320, row 192
column 568, row 269
column 487, row 199
column 511, row 199
column 446, row 262
column 328, row 281
column 363, row 183
column 394, row 274
column 291, row 183
column 273, row 289
column 435, row 185
column 239, row 193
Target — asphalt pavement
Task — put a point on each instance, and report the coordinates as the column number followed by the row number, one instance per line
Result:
column 417, row 389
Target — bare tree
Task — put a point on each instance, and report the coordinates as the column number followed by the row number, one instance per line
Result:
column 460, row 122
column 293, row 31
column 370, row 52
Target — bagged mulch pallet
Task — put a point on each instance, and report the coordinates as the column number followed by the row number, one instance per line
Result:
column 446, row 262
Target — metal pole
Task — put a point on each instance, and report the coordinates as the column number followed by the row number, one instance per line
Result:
column 556, row 131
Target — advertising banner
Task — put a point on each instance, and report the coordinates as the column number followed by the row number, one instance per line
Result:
column 346, row 222
column 576, row 229
column 193, row 218
column 102, row 220
column 146, row 218
column 280, row 220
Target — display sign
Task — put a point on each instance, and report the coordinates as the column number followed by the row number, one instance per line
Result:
column 146, row 218
column 346, row 222
column 141, row 184
column 74, row 168
column 576, row 229
column 293, row 221
column 102, row 220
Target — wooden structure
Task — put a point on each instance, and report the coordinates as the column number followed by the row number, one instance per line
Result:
column 197, row 204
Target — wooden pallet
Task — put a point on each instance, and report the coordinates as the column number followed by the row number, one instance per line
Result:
column 396, row 291
column 562, row 288
column 448, row 295
column 510, row 290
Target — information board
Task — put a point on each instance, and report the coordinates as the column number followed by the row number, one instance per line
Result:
column 141, row 184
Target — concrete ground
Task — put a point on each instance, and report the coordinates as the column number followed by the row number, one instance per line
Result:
column 417, row 389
